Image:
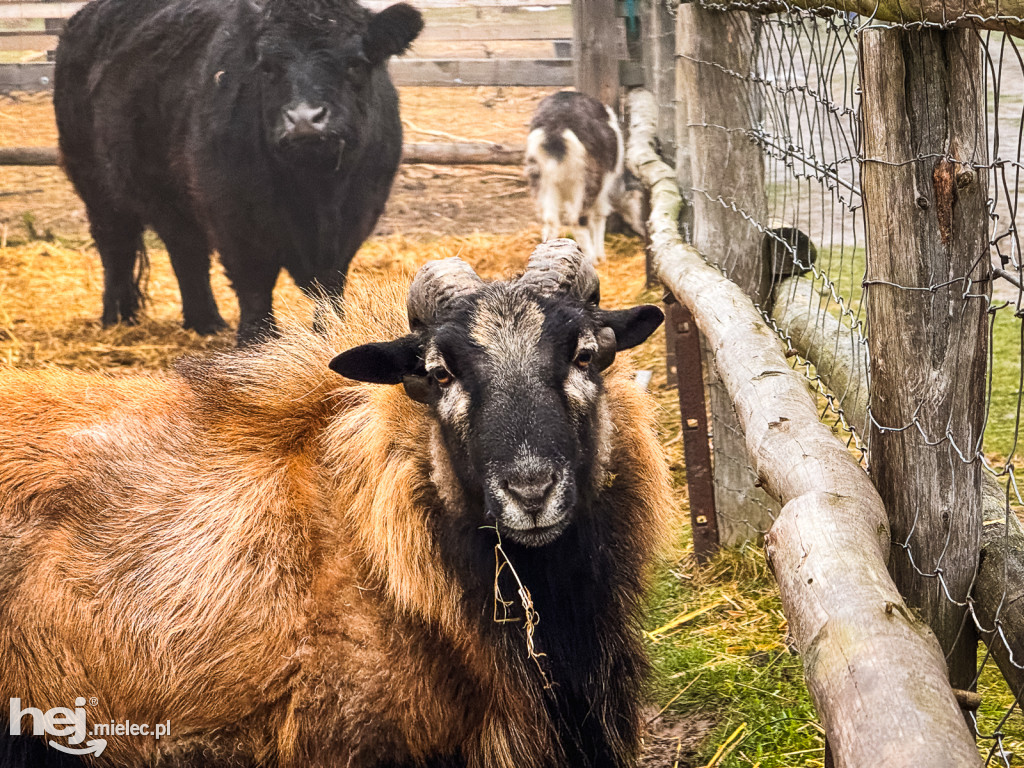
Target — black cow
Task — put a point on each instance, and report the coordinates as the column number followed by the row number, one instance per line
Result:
column 267, row 129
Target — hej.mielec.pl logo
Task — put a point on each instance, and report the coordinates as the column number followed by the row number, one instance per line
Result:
column 71, row 725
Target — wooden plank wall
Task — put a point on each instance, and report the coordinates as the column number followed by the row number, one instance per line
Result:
column 31, row 29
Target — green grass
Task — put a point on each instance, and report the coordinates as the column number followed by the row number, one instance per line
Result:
column 731, row 664
column 844, row 268
column 996, row 703
column 1004, row 402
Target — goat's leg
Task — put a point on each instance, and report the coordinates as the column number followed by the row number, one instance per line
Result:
column 548, row 205
column 584, row 239
column 580, row 219
column 600, row 211
column 550, row 230
column 597, row 223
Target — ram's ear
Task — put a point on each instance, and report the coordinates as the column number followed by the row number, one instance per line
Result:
column 392, row 31
column 631, row 326
column 384, row 362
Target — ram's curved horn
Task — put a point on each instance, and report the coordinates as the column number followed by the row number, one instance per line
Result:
column 559, row 266
column 436, row 285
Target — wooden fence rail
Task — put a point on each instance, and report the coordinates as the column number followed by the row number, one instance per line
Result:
column 27, row 36
column 377, row 5
column 404, row 72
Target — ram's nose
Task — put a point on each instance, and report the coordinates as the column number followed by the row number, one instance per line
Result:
column 305, row 119
column 531, row 489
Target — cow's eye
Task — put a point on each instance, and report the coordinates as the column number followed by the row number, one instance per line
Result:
column 584, row 358
column 357, row 67
column 442, row 376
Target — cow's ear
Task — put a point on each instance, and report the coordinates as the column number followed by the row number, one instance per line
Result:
column 387, row 362
column 392, row 31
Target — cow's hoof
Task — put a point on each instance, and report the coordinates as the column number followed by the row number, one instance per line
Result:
column 110, row 319
column 207, row 327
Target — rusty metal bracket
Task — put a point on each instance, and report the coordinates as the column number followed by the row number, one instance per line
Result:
column 683, row 341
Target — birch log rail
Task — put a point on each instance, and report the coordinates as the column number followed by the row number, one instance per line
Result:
column 998, row 595
column 436, row 153
column 874, row 671
column 828, row 343
column 29, row 156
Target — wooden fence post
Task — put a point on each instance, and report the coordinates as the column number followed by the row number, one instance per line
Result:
column 727, row 178
column 684, row 168
column 927, row 289
column 659, row 65
column 658, row 55
column 597, row 49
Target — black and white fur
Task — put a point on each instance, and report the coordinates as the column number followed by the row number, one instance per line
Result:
column 574, row 163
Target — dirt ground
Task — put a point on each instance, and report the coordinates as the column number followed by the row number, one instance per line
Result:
column 672, row 741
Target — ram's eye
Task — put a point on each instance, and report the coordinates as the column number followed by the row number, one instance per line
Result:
column 442, row 376
column 584, row 358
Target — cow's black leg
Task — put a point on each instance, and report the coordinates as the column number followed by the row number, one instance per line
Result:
column 254, row 286
column 189, row 250
column 119, row 240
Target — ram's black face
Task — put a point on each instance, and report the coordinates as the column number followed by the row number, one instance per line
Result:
column 317, row 68
column 516, row 389
column 514, row 379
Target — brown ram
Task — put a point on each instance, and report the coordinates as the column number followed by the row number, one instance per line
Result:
column 299, row 569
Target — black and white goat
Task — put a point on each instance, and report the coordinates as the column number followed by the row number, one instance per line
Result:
column 574, row 163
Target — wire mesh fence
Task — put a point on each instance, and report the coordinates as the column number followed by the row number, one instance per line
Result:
column 805, row 114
